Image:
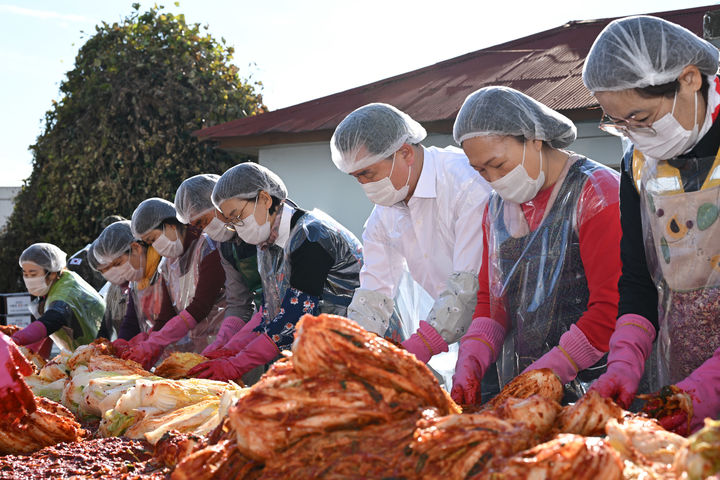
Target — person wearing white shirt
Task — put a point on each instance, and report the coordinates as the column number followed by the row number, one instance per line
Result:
column 427, row 220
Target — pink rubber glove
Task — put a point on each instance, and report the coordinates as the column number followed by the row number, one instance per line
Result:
column 573, row 354
column 479, row 348
column 260, row 351
column 630, row 346
column 425, row 343
column 703, row 385
column 147, row 352
column 16, row 398
column 230, row 326
column 246, row 335
column 33, row 333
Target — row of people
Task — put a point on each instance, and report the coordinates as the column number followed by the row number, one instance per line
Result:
column 535, row 257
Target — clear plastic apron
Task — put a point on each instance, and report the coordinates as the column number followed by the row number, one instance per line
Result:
column 181, row 276
column 148, row 301
column 87, row 305
column 340, row 243
column 537, row 279
column 682, row 245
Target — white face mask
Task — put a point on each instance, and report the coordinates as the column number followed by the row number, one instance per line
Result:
column 383, row 192
column 252, row 233
column 120, row 274
column 217, row 231
column 670, row 139
column 168, row 248
column 517, row 186
column 36, row 285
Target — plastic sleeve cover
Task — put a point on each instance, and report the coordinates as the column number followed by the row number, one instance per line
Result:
column 452, row 312
column 371, row 310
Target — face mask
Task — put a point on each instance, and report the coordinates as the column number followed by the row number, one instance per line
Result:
column 217, row 231
column 517, row 186
column 119, row 274
column 252, row 233
column 383, row 192
column 36, row 285
column 168, row 248
column 670, row 139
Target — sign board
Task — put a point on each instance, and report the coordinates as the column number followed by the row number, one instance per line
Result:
column 17, row 304
column 21, row 321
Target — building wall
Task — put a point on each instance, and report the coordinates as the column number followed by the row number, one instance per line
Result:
column 314, row 182
column 7, row 198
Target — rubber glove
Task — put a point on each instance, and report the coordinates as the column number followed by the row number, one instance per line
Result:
column 230, row 326
column 121, row 346
column 479, row 348
column 260, row 351
column 703, row 386
column 33, row 333
column 246, row 335
column 630, row 346
column 147, row 352
column 425, row 343
column 573, row 353
column 16, row 398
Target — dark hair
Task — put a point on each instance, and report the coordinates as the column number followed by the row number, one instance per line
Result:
column 275, row 204
column 170, row 221
column 179, row 226
column 668, row 90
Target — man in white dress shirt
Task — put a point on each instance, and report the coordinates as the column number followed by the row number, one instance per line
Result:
column 427, row 220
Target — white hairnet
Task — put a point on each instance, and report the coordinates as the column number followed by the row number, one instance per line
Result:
column 90, row 258
column 508, row 112
column 112, row 242
column 193, row 197
column 45, row 255
column 150, row 214
column 370, row 134
column 637, row 52
column 245, row 181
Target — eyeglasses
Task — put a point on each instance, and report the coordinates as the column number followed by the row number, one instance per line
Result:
column 621, row 127
column 233, row 222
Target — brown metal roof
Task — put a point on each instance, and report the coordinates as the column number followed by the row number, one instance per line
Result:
column 546, row 66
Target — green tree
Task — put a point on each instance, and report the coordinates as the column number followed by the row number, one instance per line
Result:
column 122, row 130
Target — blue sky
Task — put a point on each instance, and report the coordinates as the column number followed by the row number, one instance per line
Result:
column 300, row 50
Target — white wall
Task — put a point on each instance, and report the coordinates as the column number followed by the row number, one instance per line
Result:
column 7, row 197
column 314, row 182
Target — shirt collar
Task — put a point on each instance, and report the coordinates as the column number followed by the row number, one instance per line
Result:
column 284, row 228
column 425, row 187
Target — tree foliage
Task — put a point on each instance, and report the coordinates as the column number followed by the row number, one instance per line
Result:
column 122, row 130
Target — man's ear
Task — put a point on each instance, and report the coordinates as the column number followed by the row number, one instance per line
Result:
column 407, row 153
column 691, row 78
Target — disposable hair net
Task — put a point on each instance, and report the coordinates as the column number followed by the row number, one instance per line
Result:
column 637, row 52
column 46, row 255
column 245, row 181
column 371, row 133
column 91, row 260
column 150, row 214
column 508, row 112
column 112, row 242
column 193, row 197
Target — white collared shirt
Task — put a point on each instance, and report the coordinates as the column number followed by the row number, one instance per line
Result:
column 438, row 232
column 284, row 228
